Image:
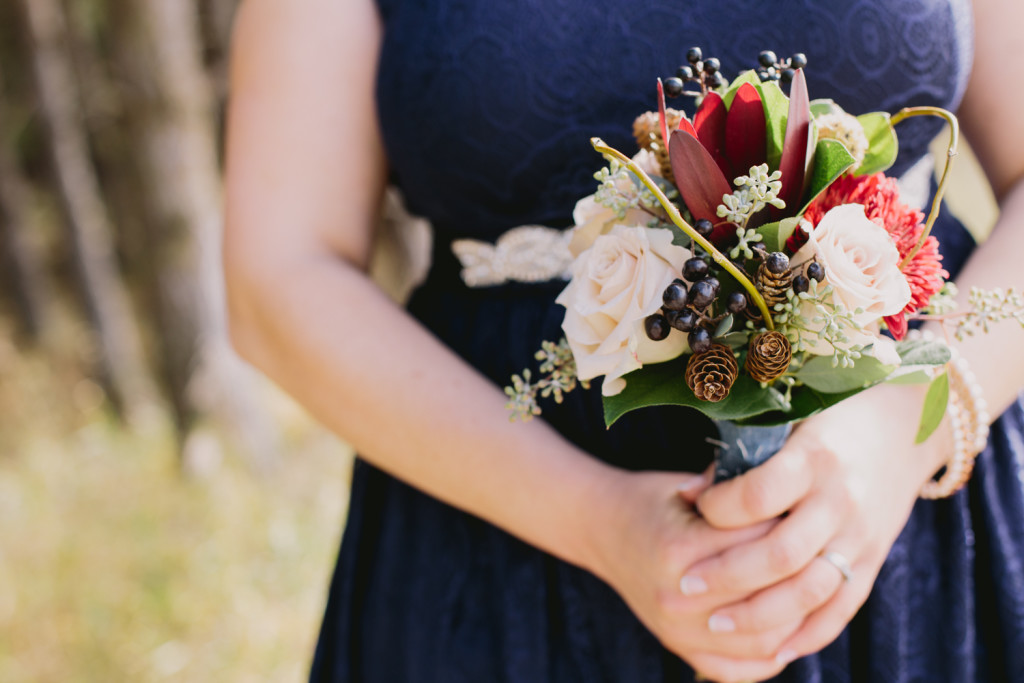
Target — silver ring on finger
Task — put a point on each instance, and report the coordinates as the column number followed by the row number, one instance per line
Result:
column 840, row 562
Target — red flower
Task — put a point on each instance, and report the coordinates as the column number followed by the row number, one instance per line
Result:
column 881, row 200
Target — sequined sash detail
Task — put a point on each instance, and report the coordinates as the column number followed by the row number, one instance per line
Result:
column 529, row 253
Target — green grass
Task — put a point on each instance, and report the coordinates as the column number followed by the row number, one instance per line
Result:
column 115, row 566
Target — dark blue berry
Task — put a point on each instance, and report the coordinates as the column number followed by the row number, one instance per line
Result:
column 703, row 293
column 767, row 58
column 736, row 302
column 684, row 320
column 675, row 296
column 777, row 263
column 816, row 271
column 716, row 80
column 695, row 269
column 694, row 55
column 788, row 75
column 711, row 65
column 801, row 284
column 700, row 340
column 798, row 61
column 704, row 227
column 685, row 72
column 673, row 87
column 657, row 327
column 764, row 76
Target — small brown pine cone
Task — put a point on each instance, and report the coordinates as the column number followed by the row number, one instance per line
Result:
column 773, row 287
column 711, row 374
column 647, row 131
column 769, row 356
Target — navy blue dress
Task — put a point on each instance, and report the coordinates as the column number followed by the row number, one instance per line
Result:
column 486, row 110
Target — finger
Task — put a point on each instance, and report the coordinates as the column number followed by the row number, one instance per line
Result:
column 711, row 667
column 783, row 552
column 762, row 493
column 825, row 625
column 692, row 485
column 756, row 645
column 797, row 597
column 696, row 543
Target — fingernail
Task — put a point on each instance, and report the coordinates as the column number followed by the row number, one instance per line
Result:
column 785, row 656
column 692, row 585
column 691, row 483
column 719, row 623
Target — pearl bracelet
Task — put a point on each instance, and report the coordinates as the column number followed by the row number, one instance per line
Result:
column 968, row 418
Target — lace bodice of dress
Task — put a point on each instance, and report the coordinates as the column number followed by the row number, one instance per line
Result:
column 487, row 107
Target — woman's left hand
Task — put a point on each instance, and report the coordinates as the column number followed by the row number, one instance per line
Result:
column 848, row 479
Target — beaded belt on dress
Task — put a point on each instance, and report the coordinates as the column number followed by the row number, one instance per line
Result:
column 529, row 253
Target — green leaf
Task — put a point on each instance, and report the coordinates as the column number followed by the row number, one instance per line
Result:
column 774, row 235
column 922, row 352
column 745, row 77
column 831, row 160
column 882, row 141
column 680, row 238
column 912, row 377
column 825, row 106
column 663, row 384
column 724, row 326
column 818, row 374
column 735, row 340
column 776, row 114
column 934, row 407
column 805, row 403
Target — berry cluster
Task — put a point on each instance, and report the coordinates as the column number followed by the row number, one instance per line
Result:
column 687, row 307
column 802, row 281
column 706, row 73
column 771, row 68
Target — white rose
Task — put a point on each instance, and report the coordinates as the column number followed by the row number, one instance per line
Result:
column 615, row 285
column 862, row 265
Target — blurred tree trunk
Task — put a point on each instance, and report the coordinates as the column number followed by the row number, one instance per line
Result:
column 169, row 103
column 23, row 265
column 125, row 373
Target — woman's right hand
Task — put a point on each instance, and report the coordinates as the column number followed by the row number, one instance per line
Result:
column 643, row 539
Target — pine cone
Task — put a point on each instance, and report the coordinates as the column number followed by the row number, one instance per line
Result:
column 711, row 374
column 773, row 287
column 647, row 131
column 769, row 356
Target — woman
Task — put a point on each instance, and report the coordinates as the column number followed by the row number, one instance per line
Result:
column 557, row 551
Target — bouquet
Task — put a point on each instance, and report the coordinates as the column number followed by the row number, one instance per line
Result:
column 754, row 263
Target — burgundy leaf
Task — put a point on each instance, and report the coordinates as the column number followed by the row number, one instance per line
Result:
column 746, row 136
column 662, row 119
column 795, row 145
column 685, row 125
column 700, row 181
column 709, row 122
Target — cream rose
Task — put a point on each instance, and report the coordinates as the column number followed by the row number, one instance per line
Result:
column 615, row 285
column 862, row 265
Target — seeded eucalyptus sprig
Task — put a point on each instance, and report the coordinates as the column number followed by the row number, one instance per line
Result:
column 558, row 377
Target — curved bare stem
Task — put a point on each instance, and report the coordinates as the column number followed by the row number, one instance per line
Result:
column 954, row 141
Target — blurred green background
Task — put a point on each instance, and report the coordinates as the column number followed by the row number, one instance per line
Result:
column 165, row 513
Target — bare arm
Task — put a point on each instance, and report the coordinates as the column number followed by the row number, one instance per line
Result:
column 305, row 174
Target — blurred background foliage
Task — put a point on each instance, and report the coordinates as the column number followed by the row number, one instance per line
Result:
column 165, row 514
